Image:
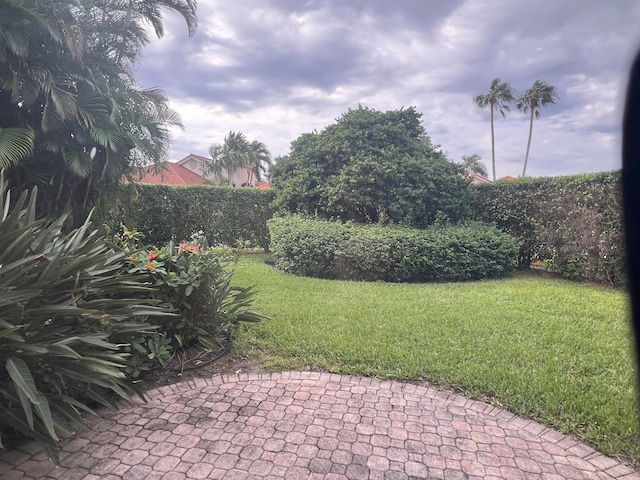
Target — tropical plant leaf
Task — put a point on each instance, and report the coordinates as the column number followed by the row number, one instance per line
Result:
column 21, row 375
column 16, row 143
column 78, row 163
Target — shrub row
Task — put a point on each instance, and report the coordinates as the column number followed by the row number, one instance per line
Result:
column 224, row 215
column 329, row 249
column 572, row 223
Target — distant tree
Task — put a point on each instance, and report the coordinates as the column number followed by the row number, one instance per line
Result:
column 541, row 94
column 472, row 164
column 234, row 153
column 371, row 167
column 259, row 161
column 500, row 95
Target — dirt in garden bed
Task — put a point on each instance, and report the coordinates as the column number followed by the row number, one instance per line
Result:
column 196, row 363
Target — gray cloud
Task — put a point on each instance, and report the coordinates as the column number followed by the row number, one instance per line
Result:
column 274, row 69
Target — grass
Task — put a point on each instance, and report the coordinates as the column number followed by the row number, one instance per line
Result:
column 553, row 350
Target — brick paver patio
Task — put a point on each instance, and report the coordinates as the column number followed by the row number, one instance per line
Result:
column 303, row 425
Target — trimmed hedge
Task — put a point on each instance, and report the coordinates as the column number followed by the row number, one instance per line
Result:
column 225, row 215
column 573, row 223
column 349, row 251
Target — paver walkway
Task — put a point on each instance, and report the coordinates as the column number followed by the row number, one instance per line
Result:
column 303, row 425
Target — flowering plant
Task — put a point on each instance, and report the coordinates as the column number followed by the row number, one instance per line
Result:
column 195, row 281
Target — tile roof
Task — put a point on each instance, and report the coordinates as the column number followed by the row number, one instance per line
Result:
column 168, row 174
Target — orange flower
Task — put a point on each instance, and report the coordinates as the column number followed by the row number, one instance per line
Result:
column 126, row 233
column 133, row 259
column 153, row 256
column 151, row 266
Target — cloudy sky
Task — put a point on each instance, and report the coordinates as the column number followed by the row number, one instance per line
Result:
column 274, row 69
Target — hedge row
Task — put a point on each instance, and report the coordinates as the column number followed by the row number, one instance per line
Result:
column 572, row 223
column 226, row 215
column 328, row 249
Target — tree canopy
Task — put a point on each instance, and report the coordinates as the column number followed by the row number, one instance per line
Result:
column 73, row 118
column 371, row 167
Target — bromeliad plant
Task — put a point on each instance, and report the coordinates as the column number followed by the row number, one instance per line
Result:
column 194, row 280
column 66, row 311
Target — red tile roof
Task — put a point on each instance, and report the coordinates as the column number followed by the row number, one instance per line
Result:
column 168, row 174
column 262, row 185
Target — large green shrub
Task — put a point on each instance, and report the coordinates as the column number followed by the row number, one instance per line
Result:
column 224, row 215
column 572, row 223
column 371, row 167
column 330, row 249
column 66, row 308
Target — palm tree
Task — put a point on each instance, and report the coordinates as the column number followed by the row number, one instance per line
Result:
column 472, row 164
column 500, row 95
column 73, row 119
column 260, row 159
column 228, row 157
column 539, row 95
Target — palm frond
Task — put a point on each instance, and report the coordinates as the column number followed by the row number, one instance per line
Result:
column 16, row 144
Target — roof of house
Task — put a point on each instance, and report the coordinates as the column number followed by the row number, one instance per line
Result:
column 262, row 185
column 193, row 155
column 476, row 178
column 169, row 174
column 508, row 177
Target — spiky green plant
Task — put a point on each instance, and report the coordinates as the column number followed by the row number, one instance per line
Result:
column 66, row 312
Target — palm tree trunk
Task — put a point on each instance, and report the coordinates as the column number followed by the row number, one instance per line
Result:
column 526, row 157
column 493, row 148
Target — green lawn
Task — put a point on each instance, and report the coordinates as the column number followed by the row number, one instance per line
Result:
column 553, row 350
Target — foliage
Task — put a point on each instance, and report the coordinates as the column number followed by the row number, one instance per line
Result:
column 73, row 119
column 548, row 349
column 227, row 216
column 65, row 312
column 193, row 280
column 325, row 249
column 235, row 152
column 572, row 223
column 541, row 94
column 371, row 167
column 472, row 164
column 500, row 95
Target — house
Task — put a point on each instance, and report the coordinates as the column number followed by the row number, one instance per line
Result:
column 242, row 177
column 167, row 173
column 188, row 171
column 476, row 178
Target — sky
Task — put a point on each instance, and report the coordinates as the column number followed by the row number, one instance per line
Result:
column 275, row 69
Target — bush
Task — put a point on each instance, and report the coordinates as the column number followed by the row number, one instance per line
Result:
column 65, row 311
column 226, row 216
column 193, row 280
column 572, row 223
column 329, row 249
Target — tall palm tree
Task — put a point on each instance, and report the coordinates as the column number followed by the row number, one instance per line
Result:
column 541, row 94
column 500, row 95
column 472, row 164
